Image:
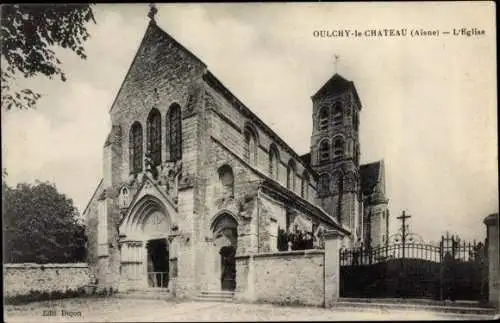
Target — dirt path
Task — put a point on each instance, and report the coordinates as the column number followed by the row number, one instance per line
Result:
column 129, row 310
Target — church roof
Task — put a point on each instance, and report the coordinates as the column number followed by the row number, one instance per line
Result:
column 291, row 198
column 306, row 158
column 157, row 29
column 370, row 176
column 153, row 31
column 287, row 196
column 337, row 84
column 210, row 78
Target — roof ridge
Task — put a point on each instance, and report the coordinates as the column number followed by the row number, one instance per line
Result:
column 131, row 64
column 373, row 162
column 152, row 27
column 211, row 77
column 342, row 85
column 92, row 196
column 179, row 44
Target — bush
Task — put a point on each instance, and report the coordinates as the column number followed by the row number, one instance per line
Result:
column 37, row 296
column 300, row 241
column 55, row 233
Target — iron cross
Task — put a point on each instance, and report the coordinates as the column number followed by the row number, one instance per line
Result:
column 403, row 218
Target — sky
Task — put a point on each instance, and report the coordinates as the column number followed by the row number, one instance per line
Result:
column 429, row 103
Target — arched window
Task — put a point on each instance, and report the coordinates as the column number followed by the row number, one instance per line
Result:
column 154, row 136
column 336, row 179
column 323, row 118
column 175, row 132
column 304, row 192
column 250, row 149
column 324, row 151
column 135, row 148
column 226, row 179
column 337, row 113
column 124, row 197
column 274, row 161
column 290, row 175
column 324, row 184
column 338, row 147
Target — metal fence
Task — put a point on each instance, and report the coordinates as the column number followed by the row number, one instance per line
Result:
column 158, row 279
column 449, row 247
column 451, row 269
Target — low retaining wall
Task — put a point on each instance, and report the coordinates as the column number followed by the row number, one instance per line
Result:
column 492, row 222
column 24, row 279
column 290, row 277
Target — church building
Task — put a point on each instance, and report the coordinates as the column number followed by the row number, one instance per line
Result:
column 193, row 180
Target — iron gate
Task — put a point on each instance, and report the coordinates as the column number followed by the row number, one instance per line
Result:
column 449, row 270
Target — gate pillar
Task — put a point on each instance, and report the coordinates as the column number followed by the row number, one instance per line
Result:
column 332, row 266
column 492, row 234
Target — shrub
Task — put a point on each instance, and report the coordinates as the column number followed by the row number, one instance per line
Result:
column 37, row 296
column 300, row 241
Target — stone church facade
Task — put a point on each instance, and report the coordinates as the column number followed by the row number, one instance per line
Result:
column 192, row 179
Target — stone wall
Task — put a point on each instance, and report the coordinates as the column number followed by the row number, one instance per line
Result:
column 492, row 222
column 270, row 211
column 243, row 201
column 378, row 224
column 227, row 125
column 296, row 277
column 21, row 279
column 162, row 73
column 308, row 277
column 242, row 271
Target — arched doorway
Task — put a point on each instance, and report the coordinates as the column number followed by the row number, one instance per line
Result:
column 144, row 245
column 225, row 232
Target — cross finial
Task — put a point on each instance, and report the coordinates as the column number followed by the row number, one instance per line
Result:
column 337, row 58
column 152, row 11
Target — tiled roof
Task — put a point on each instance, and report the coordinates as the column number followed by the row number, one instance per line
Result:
column 291, row 198
column 337, row 84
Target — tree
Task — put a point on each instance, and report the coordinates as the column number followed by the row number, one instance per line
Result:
column 41, row 225
column 28, row 36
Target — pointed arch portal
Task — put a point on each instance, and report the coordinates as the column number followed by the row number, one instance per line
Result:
column 144, row 245
column 225, row 236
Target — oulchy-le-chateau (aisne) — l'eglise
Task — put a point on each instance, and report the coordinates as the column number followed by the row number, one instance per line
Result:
column 193, row 181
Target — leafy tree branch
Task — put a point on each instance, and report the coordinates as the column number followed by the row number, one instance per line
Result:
column 28, row 35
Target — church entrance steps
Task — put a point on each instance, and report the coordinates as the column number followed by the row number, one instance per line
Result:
column 217, row 296
column 147, row 293
column 452, row 307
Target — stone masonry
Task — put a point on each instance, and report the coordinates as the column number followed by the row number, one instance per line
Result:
column 22, row 279
column 223, row 194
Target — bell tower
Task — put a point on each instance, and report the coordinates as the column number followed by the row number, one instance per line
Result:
column 335, row 152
